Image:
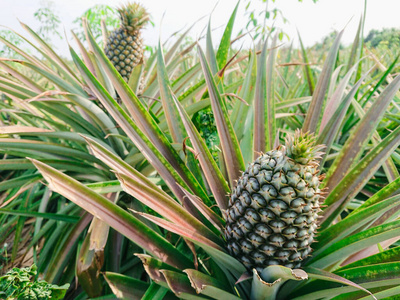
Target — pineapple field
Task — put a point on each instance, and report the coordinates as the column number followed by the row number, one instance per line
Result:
column 193, row 171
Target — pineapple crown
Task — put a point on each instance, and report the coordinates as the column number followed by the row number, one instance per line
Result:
column 133, row 16
column 302, row 148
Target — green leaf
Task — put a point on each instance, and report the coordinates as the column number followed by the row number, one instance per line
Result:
column 308, row 72
column 356, row 43
column 265, row 285
column 361, row 218
column 358, row 176
column 152, row 154
column 222, row 52
column 315, row 273
column 165, row 206
column 126, row 287
column 241, row 111
column 344, row 248
column 155, row 292
column 359, row 136
column 209, row 286
column 316, row 108
column 112, row 214
column 230, row 147
column 51, row 148
column 389, row 190
column 210, row 54
column 33, row 214
column 264, row 102
column 389, row 255
column 143, row 121
column 213, row 175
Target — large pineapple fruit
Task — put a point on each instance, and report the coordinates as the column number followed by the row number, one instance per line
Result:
column 273, row 211
column 124, row 46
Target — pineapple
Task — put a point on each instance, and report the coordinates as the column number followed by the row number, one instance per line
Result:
column 124, row 46
column 272, row 213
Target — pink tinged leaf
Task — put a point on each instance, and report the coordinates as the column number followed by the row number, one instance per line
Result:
column 27, row 81
column 210, row 286
column 230, row 146
column 165, row 206
column 91, row 258
column 118, row 164
column 215, row 179
column 316, row 109
column 84, row 54
column 315, row 273
column 145, row 146
column 371, row 250
column 353, row 148
column 180, row 285
column 207, row 212
column 335, row 99
column 358, row 176
column 264, row 103
column 330, row 130
column 60, row 260
column 152, row 266
column 125, row 287
column 112, row 214
column 175, row 126
column 186, row 232
column 147, row 125
column 13, row 129
column 52, row 56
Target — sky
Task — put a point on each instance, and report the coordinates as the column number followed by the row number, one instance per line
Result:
column 312, row 20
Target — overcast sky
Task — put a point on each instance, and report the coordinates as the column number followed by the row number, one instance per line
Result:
column 313, row 20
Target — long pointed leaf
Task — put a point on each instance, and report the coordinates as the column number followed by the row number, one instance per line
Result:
column 358, row 176
column 215, row 179
column 164, row 168
column 222, row 52
column 146, row 123
column 353, row 147
column 112, row 214
column 264, row 105
column 230, row 146
column 165, row 206
column 315, row 111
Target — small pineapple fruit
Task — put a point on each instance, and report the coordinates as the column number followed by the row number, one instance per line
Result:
column 124, row 46
column 273, row 211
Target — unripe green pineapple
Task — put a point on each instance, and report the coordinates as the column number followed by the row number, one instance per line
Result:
column 273, row 211
column 124, row 46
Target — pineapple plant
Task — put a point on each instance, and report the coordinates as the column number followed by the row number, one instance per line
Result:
column 164, row 179
column 124, row 45
column 273, row 210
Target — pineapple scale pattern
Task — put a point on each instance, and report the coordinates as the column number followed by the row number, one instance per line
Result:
column 272, row 214
column 125, row 51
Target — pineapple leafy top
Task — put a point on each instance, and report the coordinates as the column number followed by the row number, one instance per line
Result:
column 302, row 148
column 133, row 16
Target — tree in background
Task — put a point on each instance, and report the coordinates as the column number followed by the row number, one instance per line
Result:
column 49, row 21
column 387, row 36
column 49, row 30
column 95, row 15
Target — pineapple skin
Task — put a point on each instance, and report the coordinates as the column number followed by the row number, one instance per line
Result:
column 272, row 213
column 124, row 50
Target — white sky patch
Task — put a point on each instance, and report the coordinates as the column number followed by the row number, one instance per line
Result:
column 313, row 20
